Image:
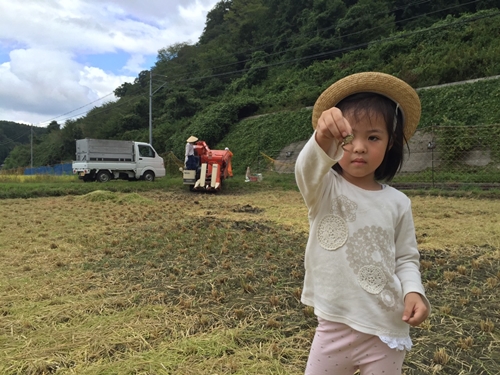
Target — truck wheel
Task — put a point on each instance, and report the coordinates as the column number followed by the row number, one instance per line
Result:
column 103, row 176
column 148, row 176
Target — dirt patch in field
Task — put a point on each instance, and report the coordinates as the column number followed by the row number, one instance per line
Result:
column 247, row 208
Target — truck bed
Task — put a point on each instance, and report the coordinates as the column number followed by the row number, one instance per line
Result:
column 88, row 150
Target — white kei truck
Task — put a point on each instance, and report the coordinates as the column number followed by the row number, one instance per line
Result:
column 103, row 160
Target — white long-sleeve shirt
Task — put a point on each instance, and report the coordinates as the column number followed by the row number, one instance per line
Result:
column 361, row 257
column 189, row 151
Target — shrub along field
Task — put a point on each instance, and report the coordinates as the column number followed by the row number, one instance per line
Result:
column 159, row 280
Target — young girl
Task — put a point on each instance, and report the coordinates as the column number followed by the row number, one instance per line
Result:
column 362, row 264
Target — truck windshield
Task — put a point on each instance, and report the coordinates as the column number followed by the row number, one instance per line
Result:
column 146, row 151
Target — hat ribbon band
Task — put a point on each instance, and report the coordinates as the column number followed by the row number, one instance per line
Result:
column 395, row 121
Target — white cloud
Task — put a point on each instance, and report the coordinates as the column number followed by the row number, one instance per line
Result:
column 42, row 78
column 49, row 83
column 99, row 82
column 42, row 42
column 135, row 64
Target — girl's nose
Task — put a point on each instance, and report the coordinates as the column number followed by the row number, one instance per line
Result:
column 358, row 146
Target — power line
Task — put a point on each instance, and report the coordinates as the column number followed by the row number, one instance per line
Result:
column 99, row 111
column 12, row 140
column 119, row 103
column 294, row 49
column 340, row 37
column 67, row 113
column 262, row 46
column 303, row 58
column 341, row 50
column 345, row 49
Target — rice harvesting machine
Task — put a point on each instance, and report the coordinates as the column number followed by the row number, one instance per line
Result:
column 212, row 167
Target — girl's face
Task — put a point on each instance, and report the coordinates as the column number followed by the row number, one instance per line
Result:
column 366, row 152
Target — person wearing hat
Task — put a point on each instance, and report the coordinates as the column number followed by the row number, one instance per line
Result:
column 190, row 161
column 361, row 260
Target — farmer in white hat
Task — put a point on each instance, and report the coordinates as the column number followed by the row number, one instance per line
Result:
column 190, row 158
column 361, row 261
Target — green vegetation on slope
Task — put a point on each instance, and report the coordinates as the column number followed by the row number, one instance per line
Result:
column 13, row 134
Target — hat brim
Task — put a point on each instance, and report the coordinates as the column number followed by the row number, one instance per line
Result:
column 380, row 83
column 192, row 139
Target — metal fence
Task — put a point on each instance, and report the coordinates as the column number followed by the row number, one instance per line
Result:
column 438, row 157
column 453, row 156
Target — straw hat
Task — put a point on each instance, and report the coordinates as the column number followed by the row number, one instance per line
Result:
column 192, row 139
column 380, row 83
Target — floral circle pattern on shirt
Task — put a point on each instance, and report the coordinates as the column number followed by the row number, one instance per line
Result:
column 388, row 298
column 372, row 279
column 370, row 245
column 344, row 207
column 332, row 232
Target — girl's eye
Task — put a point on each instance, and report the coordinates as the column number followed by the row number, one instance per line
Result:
column 373, row 138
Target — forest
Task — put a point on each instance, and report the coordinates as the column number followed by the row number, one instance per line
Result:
column 243, row 65
column 13, row 134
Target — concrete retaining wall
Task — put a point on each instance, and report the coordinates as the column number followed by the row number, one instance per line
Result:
column 423, row 155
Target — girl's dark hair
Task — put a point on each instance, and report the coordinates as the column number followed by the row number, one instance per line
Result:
column 362, row 104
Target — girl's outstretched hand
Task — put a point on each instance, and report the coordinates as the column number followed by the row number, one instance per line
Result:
column 332, row 127
column 416, row 311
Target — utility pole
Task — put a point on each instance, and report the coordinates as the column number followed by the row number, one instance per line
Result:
column 150, row 108
column 31, row 142
column 151, row 93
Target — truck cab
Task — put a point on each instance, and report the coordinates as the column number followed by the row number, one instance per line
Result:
column 148, row 163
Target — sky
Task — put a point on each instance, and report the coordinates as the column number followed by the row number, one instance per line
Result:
column 61, row 58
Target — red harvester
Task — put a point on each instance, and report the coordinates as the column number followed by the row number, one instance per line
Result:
column 213, row 167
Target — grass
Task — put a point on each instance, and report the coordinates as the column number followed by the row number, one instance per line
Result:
column 14, row 186
column 138, row 278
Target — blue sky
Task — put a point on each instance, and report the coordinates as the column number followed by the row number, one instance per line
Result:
column 57, row 56
column 114, row 62
column 4, row 55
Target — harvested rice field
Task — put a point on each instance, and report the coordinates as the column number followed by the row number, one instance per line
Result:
column 182, row 283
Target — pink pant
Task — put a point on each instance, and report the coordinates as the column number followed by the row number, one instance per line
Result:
column 337, row 349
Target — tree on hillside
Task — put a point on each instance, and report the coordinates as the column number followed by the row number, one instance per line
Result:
column 13, row 134
column 215, row 25
column 123, row 89
column 6, row 146
column 181, row 104
column 285, row 15
column 20, row 156
column 53, row 126
column 68, row 136
column 246, row 21
column 169, row 53
column 318, row 31
column 366, row 21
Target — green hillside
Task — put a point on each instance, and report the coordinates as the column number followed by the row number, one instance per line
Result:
column 244, row 66
column 13, row 134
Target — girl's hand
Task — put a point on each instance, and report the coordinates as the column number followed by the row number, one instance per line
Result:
column 332, row 126
column 416, row 311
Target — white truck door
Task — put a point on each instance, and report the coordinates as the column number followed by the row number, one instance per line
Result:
column 147, row 158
